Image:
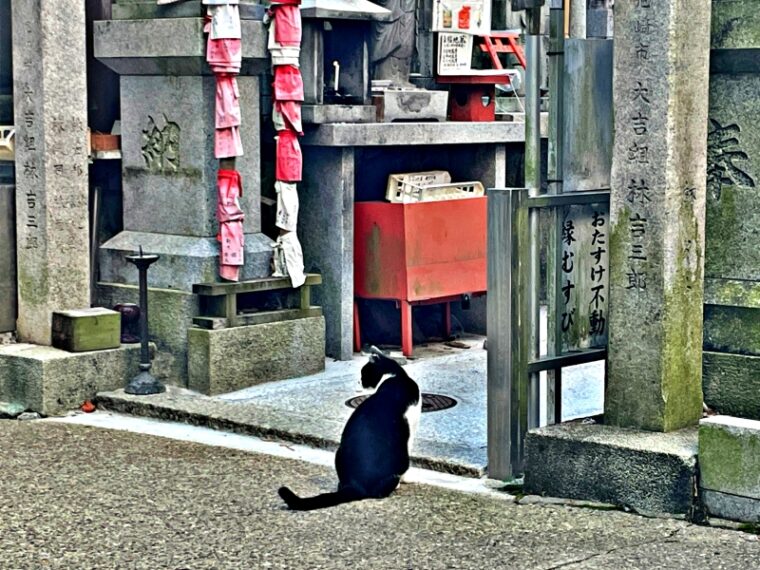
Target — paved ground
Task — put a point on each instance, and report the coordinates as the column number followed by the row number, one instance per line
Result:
column 313, row 409
column 78, row 497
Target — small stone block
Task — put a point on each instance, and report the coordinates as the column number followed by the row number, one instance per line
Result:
column 226, row 360
column 83, row 330
column 650, row 472
column 416, row 104
column 729, row 456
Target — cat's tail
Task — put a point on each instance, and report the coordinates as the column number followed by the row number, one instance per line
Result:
column 343, row 495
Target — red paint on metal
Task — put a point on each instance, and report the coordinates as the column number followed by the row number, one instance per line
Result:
column 419, row 252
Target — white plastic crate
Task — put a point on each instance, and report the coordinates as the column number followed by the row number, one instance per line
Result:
column 429, row 186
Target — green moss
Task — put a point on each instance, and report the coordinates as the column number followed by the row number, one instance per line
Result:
column 733, row 293
column 735, row 24
column 33, row 285
column 753, row 528
column 682, row 349
column 720, row 230
column 729, row 461
column 732, row 329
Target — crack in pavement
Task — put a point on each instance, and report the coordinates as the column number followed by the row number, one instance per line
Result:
column 668, row 538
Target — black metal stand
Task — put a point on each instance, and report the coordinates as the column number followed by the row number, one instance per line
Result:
column 144, row 383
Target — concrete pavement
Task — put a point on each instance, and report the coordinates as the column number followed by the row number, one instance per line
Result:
column 82, row 497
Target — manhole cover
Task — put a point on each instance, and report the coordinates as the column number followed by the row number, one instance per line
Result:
column 430, row 402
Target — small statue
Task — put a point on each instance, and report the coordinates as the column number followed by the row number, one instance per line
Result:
column 392, row 44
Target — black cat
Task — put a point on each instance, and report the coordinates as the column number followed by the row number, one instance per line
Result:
column 375, row 446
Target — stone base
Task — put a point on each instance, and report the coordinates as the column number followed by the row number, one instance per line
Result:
column 649, row 472
column 727, row 506
column 145, row 10
column 729, row 463
column 320, row 114
column 52, row 381
column 412, row 105
column 731, row 383
column 225, row 360
column 170, row 313
column 184, row 260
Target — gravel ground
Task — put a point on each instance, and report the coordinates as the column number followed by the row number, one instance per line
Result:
column 80, row 497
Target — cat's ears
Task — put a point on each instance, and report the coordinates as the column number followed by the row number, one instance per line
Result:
column 375, row 354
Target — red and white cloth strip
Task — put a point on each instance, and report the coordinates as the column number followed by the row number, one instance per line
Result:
column 224, row 55
column 284, row 45
column 230, row 217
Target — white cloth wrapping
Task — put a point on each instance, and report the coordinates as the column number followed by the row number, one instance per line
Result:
column 225, row 21
column 287, row 206
column 291, row 247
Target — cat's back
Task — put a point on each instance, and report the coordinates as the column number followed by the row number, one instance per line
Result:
column 376, row 437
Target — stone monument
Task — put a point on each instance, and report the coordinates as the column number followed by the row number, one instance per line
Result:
column 169, row 168
column 657, row 207
column 51, row 163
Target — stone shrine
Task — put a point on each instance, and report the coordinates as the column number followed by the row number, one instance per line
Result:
column 169, row 170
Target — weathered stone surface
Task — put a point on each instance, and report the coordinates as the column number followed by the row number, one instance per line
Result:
column 145, row 9
column 389, row 134
column 731, row 384
column 7, row 257
column 50, row 93
column 319, row 114
column 657, row 214
column 178, row 196
column 732, row 329
column 82, row 330
column 727, row 506
column 735, row 24
column 729, row 463
column 51, row 381
column 170, row 46
column 225, row 360
column 420, row 105
column 326, row 231
column 647, row 471
column 588, row 114
column 184, row 260
column 733, row 178
column 170, row 314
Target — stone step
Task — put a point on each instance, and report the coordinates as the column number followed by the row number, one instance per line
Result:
column 729, row 463
column 649, row 472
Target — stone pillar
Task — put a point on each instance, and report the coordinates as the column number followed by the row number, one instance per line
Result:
column 657, row 210
column 50, row 96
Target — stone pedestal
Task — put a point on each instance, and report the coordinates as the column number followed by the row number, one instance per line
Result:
column 657, row 214
column 168, row 163
column 50, row 102
column 729, row 465
column 222, row 361
column 52, row 381
column 652, row 473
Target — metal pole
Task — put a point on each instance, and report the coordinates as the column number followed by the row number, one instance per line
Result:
column 144, row 350
column 533, row 183
column 144, row 383
column 555, row 186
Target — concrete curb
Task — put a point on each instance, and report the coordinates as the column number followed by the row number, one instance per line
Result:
column 180, row 405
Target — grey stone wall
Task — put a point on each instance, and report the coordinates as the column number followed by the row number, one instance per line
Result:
column 732, row 255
